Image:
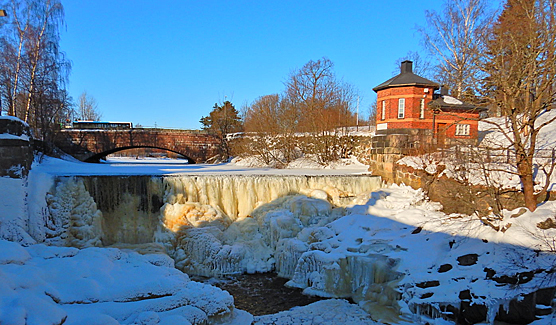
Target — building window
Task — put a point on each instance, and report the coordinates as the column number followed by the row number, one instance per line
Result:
column 462, row 129
column 401, row 108
column 422, row 109
column 383, row 113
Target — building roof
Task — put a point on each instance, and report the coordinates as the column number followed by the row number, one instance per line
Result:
column 406, row 78
column 445, row 102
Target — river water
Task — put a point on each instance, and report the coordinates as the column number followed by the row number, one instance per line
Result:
column 261, row 293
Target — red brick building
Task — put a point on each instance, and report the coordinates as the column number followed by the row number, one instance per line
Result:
column 408, row 102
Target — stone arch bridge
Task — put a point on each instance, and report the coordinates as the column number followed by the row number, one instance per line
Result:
column 93, row 144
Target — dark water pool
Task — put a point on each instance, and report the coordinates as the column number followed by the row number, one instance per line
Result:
column 260, row 294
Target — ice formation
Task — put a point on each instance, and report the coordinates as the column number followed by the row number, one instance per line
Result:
column 226, row 225
column 211, row 224
column 73, row 218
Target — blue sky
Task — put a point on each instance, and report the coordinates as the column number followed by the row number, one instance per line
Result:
column 168, row 62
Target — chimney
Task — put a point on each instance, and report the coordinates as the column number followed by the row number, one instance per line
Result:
column 407, row 67
column 444, row 90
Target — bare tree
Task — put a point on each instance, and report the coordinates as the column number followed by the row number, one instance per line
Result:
column 33, row 70
column 456, row 37
column 88, row 108
column 421, row 66
column 325, row 104
column 372, row 113
column 271, row 125
column 521, row 73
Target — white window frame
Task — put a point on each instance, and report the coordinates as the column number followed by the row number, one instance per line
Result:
column 422, row 109
column 401, row 108
column 463, row 129
column 383, row 112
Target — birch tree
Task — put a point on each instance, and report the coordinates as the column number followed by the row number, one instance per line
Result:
column 33, row 70
column 88, row 108
column 456, row 37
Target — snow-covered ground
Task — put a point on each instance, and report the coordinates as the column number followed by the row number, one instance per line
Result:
column 391, row 250
column 130, row 166
column 488, row 164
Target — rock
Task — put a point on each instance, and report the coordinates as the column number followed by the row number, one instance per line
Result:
column 417, row 230
column 526, row 309
column 520, row 310
column 467, row 260
column 519, row 213
column 518, row 278
column 444, row 268
column 470, row 312
column 428, row 284
column 547, row 224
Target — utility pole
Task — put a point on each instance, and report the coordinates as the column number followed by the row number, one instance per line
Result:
column 357, row 116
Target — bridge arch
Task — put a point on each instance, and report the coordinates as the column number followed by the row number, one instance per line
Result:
column 97, row 157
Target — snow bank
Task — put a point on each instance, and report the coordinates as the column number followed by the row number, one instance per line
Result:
column 333, row 311
column 13, row 210
column 305, row 163
column 54, row 285
column 396, row 253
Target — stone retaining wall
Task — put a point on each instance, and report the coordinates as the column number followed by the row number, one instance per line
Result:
column 16, row 150
column 454, row 196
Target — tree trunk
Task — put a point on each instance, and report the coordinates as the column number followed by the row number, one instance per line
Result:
column 528, row 185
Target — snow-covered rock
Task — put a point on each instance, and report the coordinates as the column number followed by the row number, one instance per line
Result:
column 54, row 285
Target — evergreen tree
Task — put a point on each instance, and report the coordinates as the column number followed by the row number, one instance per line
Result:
column 223, row 120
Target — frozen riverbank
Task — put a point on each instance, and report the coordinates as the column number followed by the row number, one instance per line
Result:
column 390, row 250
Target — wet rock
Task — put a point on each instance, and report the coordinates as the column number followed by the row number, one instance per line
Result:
column 520, row 311
column 470, row 312
column 465, row 295
column 527, row 308
column 542, row 310
column 467, row 260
